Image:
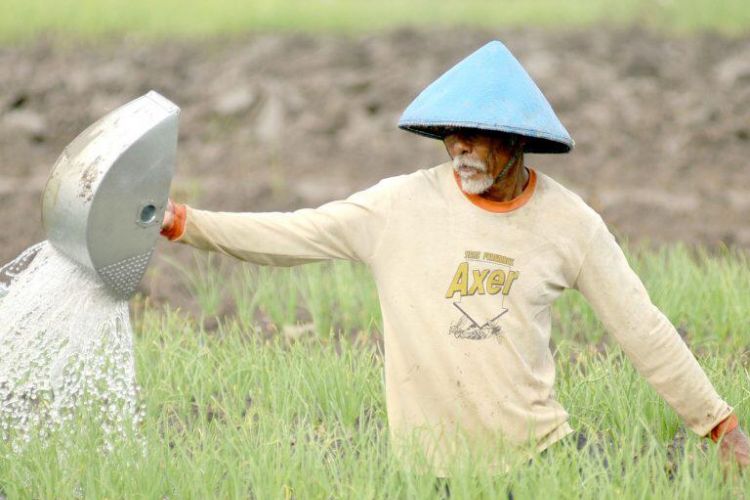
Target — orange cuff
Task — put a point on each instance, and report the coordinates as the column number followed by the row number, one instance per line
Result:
column 178, row 224
column 727, row 425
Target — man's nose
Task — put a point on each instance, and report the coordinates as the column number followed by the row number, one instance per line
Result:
column 461, row 145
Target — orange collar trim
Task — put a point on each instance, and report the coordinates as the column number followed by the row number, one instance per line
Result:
column 501, row 206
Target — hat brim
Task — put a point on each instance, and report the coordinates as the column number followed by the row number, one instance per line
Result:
column 535, row 142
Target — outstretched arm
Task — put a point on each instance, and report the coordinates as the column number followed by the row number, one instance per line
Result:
column 647, row 337
column 347, row 229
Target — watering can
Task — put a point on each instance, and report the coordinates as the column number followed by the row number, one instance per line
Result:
column 105, row 199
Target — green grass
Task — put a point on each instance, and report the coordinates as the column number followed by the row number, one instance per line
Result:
column 24, row 19
column 241, row 408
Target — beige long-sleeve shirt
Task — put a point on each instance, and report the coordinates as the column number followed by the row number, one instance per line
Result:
column 466, row 288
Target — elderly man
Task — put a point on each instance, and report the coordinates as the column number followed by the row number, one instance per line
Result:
column 469, row 257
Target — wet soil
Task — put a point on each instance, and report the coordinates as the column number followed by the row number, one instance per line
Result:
column 274, row 122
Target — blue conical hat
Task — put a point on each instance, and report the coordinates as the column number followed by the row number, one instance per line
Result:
column 488, row 90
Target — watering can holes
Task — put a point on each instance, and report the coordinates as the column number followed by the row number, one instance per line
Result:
column 123, row 277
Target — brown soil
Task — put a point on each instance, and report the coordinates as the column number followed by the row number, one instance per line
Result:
column 662, row 125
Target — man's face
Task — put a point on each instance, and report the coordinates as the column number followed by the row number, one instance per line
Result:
column 478, row 156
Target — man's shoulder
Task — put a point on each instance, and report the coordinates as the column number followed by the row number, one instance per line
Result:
column 429, row 174
column 569, row 220
column 564, row 200
column 398, row 189
column 418, row 179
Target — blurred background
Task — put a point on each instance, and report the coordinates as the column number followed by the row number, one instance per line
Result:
column 290, row 104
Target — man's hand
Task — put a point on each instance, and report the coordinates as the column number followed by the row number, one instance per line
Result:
column 173, row 224
column 166, row 224
column 734, row 447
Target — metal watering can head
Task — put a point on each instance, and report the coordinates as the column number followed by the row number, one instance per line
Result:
column 105, row 199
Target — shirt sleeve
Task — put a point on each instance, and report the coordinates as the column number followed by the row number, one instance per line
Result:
column 647, row 337
column 348, row 229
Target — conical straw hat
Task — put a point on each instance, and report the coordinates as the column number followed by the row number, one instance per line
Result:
column 489, row 90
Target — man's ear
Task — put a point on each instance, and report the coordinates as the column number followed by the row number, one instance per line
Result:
column 447, row 150
column 512, row 141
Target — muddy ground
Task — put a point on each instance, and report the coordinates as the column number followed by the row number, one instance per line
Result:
column 273, row 122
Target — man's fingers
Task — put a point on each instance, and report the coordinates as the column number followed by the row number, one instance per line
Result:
column 735, row 448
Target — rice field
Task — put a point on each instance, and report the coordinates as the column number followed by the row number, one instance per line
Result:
column 27, row 19
column 274, row 389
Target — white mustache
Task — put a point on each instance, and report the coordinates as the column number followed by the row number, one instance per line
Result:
column 466, row 161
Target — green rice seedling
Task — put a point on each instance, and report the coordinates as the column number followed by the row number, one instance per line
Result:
column 319, row 298
column 340, row 297
column 245, row 295
column 278, row 295
column 205, row 280
column 357, row 298
column 703, row 293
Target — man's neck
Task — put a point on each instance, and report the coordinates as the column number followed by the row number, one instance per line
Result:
column 511, row 186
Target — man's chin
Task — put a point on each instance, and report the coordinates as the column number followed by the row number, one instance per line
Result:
column 474, row 185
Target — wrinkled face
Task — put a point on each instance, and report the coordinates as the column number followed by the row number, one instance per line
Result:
column 478, row 156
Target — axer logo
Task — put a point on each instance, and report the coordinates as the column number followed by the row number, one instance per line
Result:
column 478, row 289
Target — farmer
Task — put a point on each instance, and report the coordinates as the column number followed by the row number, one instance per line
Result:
column 469, row 257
